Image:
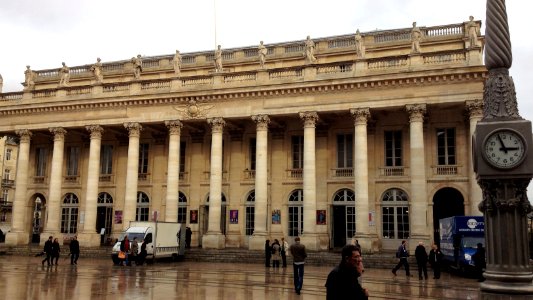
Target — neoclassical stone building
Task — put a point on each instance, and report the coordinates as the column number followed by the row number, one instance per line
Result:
column 364, row 136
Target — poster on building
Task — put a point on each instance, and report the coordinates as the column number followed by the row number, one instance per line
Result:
column 320, row 217
column 234, row 216
column 118, row 217
column 193, row 217
column 276, row 216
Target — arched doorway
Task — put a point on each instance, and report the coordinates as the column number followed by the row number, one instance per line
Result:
column 38, row 217
column 447, row 202
column 104, row 215
column 343, row 217
column 204, row 216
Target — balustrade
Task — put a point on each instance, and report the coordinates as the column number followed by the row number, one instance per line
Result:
column 385, row 63
column 155, row 85
column 188, row 59
column 450, row 57
column 285, row 73
column 334, row 69
column 446, row 170
column 342, row 43
column 240, row 77
column 106, row 178
column 151, row 63
column 197, row 81
column 116, row 87
column 342, row 172
column 79, row 70
column 47, row 73
column 392, row 36
column 79, row 90
column 249, row 174
column 294, row 48
column 38, row 179
column 11, row 96
column 392, row 171
column 444, row 30
column 295, row 173
column 112, row 67
column 44, row 93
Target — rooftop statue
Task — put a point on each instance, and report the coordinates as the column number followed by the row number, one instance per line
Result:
column 262, row 52
column 29, row 84
column 97, row 71
column 416, row 37
column 177, row 63
column 1, row 83
column 218, row 59
column 137, row 66
column 359, row 45
column 310, row 50
column 64, row 75
column 472, row 30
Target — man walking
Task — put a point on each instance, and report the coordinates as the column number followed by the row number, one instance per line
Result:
column 298, row 254
column 402, row 254
column 284, row 249
column 421, row 260
column 74, row 250
column 48, row 251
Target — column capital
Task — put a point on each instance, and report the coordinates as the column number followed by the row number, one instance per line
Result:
column 95, row 130
column 474, row 108
column 24, row 134
column 416, row 112
column 262, row 121
column 174, row 126
column 309, row 117
column 59, row 133
column 360, row 115
column 217, row 124
column 134, row 128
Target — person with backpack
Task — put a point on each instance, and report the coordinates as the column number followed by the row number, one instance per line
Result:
column 402, row 254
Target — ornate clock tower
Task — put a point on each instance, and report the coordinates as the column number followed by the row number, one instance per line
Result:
column 503, row 162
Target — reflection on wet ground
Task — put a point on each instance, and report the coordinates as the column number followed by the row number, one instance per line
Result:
column 26, row 278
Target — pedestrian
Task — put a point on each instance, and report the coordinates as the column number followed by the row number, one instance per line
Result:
column 134, row 250
column 276, row 255
column 435, row 259
column 188, row 237
column 125, row 247
column 402, row 254
column 74, row 250
column 284, row 252
column 343, row 281
column 298, row 254
column 142, row 255
column 479, row 262
column 56, row 250
column 268, row 253
column 421, row 260
column 48, row 251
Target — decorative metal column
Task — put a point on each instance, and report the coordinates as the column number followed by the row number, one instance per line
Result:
column 503, row 162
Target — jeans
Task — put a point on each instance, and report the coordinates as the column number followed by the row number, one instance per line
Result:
column 74, row 258
column 298, row 276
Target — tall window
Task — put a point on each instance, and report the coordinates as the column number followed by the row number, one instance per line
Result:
column 8, row 154
column 250, row 213
column 5, row 195
column 296, row 212
column 253, row 145
column 346, row 198
column 69, row 214
column 446, row 146
column 297, row 146
column 395, row 214
column 344, row 151
column 104, row 212
column 7, row 174
column 143, row 207
column 143, row 158
column 183, row 146
column 73, row 155
column 40, row 161
column 393, row 148
column 182, row 208
column 106, row 160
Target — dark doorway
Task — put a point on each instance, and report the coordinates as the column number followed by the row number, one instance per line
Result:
column 447, row 202
column 104, row 215
column 339, row 226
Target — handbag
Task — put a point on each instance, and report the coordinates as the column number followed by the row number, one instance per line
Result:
column 121, row 255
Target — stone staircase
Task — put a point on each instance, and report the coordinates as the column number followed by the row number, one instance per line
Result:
column 228, row 255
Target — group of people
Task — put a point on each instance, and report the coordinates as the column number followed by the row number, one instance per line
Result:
column 52, row 250
column 275, row 252
column 422, row 258
column 129, row 252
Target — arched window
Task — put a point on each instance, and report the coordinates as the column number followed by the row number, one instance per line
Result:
column 104, row 199
column 69, row 214
column 250, row 213
column 344, row 209
column 182, row 208
column 296, row 213
column 143, row 207
column 395, row 214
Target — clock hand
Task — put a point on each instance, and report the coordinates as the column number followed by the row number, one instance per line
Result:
column 513, row 148
column 503, row 145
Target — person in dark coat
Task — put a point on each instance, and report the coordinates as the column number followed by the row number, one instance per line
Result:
column 188, row 237
column 435, row 260
column 479, row 261
column 48, row 251
column 342, row 282
column 402, row 254
column 74, row 250
column 56, row 250
column 125, row 247
column 268, row 253
column 421, row 260
column 142, row 254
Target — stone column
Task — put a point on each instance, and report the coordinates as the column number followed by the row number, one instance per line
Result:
column 90, row 235
column 173, row 170
column 309, row 236
column 213, row 238
column 53, row 205
column 418, row 202
column 257, row 242
column 132, row 174
column 360, row 170
column 19, row 234
column 475, row 113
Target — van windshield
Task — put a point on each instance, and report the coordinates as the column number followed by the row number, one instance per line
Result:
column 472, row 242
column 132, row 235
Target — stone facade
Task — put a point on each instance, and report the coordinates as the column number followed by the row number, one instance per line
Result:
column 370, row 146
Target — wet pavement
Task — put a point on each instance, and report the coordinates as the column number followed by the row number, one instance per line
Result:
column 25, row 278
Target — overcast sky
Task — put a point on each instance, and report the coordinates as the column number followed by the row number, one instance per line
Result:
column 44, row 33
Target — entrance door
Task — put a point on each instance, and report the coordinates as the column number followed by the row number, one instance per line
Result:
column 104, row 215
column 447, row 202
column 339, row 226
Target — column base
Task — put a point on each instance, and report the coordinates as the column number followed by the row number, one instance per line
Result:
column 89, row 239
column 257, row 241
column 496, row 290
column 17, row 238
column 213, row 241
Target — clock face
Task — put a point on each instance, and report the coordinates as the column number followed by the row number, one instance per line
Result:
column 504, row 149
